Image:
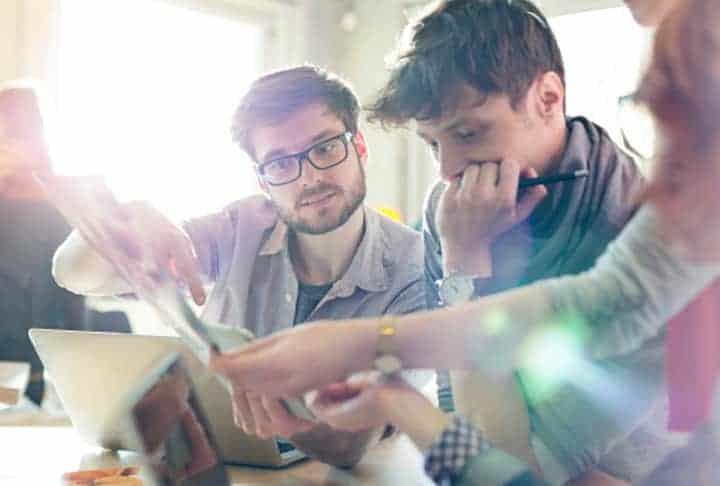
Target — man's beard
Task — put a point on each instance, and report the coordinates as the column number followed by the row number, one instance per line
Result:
column 353, row 198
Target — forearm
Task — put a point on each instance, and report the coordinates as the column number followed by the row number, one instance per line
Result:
column 335, row 447
column 624, row 300
column 496, row 406
column 80, row 269
column 638, row 285
column 424, row 425
column 483, row 334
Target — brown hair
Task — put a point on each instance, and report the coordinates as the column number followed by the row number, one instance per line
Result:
column 273, row 97
column 496, row 46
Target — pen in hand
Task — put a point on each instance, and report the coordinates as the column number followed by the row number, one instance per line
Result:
column 566, row 176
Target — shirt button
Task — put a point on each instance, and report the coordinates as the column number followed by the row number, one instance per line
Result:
column 288, row 297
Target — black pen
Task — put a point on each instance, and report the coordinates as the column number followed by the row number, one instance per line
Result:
column 567, row 176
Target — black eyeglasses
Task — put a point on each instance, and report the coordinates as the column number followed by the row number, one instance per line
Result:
column 323, row 155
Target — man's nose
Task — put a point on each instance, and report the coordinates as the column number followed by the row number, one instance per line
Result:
column 452, row 163
column 308, row 173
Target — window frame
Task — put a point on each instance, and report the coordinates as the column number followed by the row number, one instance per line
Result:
column 278, row 19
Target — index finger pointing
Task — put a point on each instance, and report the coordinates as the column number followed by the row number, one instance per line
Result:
column 186, row 268
column 174, row 249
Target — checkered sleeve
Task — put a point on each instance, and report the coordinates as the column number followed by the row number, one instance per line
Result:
column 448, row 455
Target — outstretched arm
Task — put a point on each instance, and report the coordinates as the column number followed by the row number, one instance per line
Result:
column 81, row 270
column 136, row 231
column 634, row 295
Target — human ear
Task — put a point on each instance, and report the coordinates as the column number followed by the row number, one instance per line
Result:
column 360, row 146
column 549, row 99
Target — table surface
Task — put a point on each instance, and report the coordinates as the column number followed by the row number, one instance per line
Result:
column 39, row 455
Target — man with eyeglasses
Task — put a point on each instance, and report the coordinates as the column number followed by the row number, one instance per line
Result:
column 308, row 249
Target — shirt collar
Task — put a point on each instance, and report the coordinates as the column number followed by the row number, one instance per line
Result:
column 277, row 241
column 368, row 268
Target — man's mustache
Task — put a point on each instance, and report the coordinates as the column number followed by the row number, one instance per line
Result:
column 318, row 190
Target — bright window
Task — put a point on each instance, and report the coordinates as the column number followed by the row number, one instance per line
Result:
column 605, row 52
column 145, row 93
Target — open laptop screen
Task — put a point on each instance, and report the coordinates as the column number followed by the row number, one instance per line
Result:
column 174, row 432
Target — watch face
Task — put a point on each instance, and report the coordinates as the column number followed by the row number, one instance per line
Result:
column 456, row 289
column 387, row 364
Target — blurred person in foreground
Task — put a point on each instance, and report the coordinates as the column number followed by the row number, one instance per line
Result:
column 693, row 337
column 649, row 13
column 683, row 88
column 30, row 231
column 667, row 254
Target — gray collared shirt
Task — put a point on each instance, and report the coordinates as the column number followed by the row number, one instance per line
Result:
column 256, row 287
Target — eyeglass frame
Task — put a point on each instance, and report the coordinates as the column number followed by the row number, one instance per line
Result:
column 346, row 137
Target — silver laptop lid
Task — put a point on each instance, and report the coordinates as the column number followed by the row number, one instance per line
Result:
column 91, row 371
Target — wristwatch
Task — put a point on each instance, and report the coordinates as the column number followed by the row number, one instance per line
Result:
column 386, row 360
column 456, row 288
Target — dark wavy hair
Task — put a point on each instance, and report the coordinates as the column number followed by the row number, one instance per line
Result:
column 496, row 46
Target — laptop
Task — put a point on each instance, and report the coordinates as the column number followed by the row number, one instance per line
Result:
column 92, row 371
